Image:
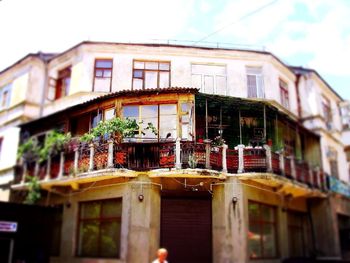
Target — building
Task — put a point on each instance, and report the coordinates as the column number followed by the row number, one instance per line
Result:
column 245, row 162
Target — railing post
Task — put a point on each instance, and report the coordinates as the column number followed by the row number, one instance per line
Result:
column 318, row 177
column 76, row 160
column 240, row 158
column 224, row 158
column 110, row 154
column 178, row 153
column 92, row 153
column 311, row 176
column 61, row 168
column 268, row 158
column 207, row 153
column 36, row 169
column 282, row 167
column 292, row 167
column 23, row 179
column 48, row 168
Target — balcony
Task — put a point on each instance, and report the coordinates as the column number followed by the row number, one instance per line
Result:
column 130, row 156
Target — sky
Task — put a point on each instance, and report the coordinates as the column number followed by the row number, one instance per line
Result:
column 309, row 33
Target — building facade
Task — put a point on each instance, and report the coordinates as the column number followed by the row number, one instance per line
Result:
column 245, row 160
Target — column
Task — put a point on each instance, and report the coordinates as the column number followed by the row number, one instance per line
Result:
column 110, row 154
column 240, row 158
column 224, row 158
column 268, row 158
column 178, row 154
column 207, row 143
column 92, row 153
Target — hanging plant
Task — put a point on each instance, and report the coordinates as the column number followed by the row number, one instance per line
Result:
column 29, row 149
column 218, row 141
column 53, row 144
column 33, row 190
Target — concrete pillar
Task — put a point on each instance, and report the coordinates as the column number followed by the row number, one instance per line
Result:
column 110, row 154
column 48, row 168
column 144, row 221
column 229, row 223
column 292, row 167
column 240, row 158
column 61, row 168
column 178, row 153
column 268, row 158
column 325, row 227
column 207, row 153
column 92, row 153
column 76, row 160
column 224, row 158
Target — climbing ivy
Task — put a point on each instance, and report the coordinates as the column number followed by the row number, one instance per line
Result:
column 33, row 190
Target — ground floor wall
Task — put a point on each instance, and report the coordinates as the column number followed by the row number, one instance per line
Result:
column 250, row 222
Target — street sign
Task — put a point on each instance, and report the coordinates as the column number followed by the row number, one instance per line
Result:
column 6, row 226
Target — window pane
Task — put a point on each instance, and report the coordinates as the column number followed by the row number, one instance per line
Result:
column 267, row 214
column 139, row 65
column 260, row 87
column 88, row 238
column 164, row 66
column 164, row 80
column 138, row 73
column 104, row 63
column 254, row 244
column 109, row 114
column 90, row 210
column 151, row 80
column 110, row 239
column 149, row 133
column 253, row 211
column 185, row 107
column 95, row 119
column 137, row 84
column 107, row 73
column 111, row 208
column 185, row 131
column 252, row 86
column 168, row 126
column 149, row 111
column 209, row 84
column 99, row 73
column 167, row 109
column 269, row 240
column 130, row 111
column 151, row 65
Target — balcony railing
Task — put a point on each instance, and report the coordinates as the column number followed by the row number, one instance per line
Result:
column 142, row 156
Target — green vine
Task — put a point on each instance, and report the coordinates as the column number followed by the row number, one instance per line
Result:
column 33, row 190
column 53, row 144
column 29, row 149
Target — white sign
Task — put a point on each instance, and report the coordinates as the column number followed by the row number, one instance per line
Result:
column 6, row 226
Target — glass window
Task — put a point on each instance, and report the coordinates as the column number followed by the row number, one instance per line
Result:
column 63, row 83
column 103, row 75
column 99, row 228
column 168, row 121
column 255, row 84
column 297, row 236
column 151, row 74
column 209, row 78
column 262, row 231
column 108, row 114
column 284, row 93
column 131, row 112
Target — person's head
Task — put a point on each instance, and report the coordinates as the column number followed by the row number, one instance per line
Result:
column 162, row 254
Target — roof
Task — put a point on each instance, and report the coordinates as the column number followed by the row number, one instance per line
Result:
column 302, row 71
column 116, row 94
column 45, row 57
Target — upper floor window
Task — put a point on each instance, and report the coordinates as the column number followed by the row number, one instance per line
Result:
column 63, row 83
column 150, row 74
column 262, row 231
column 5, row 94
column 103, row 75
column 327, row 110
column 284, row 93
column 209, row 78
column 99, row 228
column 332, row 155
column 255, row 83
column 297, row 234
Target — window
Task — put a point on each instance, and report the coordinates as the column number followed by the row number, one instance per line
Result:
column 255, row 83
column 262, row 231
column 333, row 161
column 150, row 74
column 327, row 111
column 163, row 117
column 56, row 231
column 1, row 141
column 83, row 123
column 103, row 75
column 5, row 94
column 284, row 93
column 99, row 228
column 209, row 78
column 108, row 114
column 63, row 83
column 296, row 234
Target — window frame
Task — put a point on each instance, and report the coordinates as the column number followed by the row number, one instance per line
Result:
column 103, row 68
column 119, row 218
column 301, row 227
column 6, row 88
column 151, row 70
column 256, row 76
column 327, row 109
column 284, row 93
column 61, row 76
column 261, row 223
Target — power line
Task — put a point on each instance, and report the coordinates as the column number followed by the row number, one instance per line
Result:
column 239, row 20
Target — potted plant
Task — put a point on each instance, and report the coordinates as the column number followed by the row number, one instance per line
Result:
column 217, row 142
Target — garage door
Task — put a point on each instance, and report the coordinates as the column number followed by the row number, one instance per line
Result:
column 186, row 229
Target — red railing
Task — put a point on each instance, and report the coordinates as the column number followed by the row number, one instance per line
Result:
column 254, row 160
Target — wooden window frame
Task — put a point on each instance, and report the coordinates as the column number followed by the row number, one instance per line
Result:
column 294, row 226
column 327, row 109
column 284, row 93
column 261, row 223
column 100, row 219
column 95, row 69
column 152, row 70
column 63, row 74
